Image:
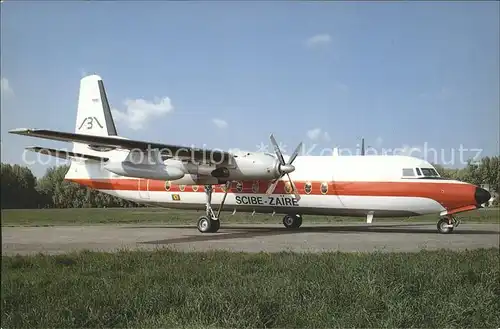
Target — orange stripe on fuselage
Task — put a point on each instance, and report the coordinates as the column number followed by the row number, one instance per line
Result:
column 449, row 194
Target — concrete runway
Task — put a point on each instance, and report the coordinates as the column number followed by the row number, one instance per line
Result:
column 389, row 237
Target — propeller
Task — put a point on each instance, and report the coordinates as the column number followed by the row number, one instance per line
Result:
column 285, row 168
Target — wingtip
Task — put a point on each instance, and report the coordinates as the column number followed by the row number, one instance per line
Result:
column 20, row 131
column 33, row 148
column 38, row 149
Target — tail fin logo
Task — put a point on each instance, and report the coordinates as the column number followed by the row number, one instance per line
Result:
column 89, row 123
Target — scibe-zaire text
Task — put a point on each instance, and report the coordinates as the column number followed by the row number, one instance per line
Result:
column 267, row 201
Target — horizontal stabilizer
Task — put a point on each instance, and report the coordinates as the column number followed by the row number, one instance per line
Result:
column 174, row 151
column 64, row 154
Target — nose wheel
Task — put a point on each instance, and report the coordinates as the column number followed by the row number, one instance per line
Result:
column 446, row 224
column 292, row 221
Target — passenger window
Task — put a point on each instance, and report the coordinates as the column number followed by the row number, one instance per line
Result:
column 408, row 172
column 418, row 172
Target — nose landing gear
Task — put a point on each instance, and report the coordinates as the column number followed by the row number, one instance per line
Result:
column 446, row 224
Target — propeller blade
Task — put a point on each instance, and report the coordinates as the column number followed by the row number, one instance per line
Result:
column 272, row 187
column 277, row 149
column 294, row 188
column 295, row 153
column 285, row 168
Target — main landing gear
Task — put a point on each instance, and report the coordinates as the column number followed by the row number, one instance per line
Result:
column 210, row 223
column 446, row 224
column 292, row 221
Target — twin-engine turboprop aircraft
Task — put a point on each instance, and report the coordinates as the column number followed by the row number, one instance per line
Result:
column 174, row 176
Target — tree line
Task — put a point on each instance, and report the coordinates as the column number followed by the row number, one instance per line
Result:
column 22, row 190
column 486, row 172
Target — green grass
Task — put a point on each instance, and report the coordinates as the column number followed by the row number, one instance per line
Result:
column 86, row 216
column 235, row 290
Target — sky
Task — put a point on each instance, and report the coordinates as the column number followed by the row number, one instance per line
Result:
column 406, row 76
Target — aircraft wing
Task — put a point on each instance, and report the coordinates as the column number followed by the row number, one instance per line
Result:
column 174, row 151
column 64, row 154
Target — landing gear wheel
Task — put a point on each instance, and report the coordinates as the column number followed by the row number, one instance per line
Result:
column 211, row 223
column 206, row 225
column 444, row 227
column 292, row 221
column 299, row 220
column 215, row 226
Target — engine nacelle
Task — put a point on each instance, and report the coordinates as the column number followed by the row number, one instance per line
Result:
column 258, row 166
column 151, row 171
column 247, row 166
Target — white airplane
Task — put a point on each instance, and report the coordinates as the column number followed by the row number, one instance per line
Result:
column 174, row 176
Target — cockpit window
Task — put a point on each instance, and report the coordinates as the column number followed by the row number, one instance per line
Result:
column 408, row 172
column 429, row 172
column 418, row 171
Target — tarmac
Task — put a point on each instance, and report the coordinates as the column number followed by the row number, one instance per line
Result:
column 355, row 237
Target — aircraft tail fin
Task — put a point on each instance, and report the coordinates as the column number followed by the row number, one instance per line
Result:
column 94, row 113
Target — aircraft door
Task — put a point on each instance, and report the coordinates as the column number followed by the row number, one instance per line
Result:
column 143, row 188
column 336, row 187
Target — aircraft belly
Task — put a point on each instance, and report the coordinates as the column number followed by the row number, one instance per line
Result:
column 417, row 205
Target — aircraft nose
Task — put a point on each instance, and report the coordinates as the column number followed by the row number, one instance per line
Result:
column 481, row 195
